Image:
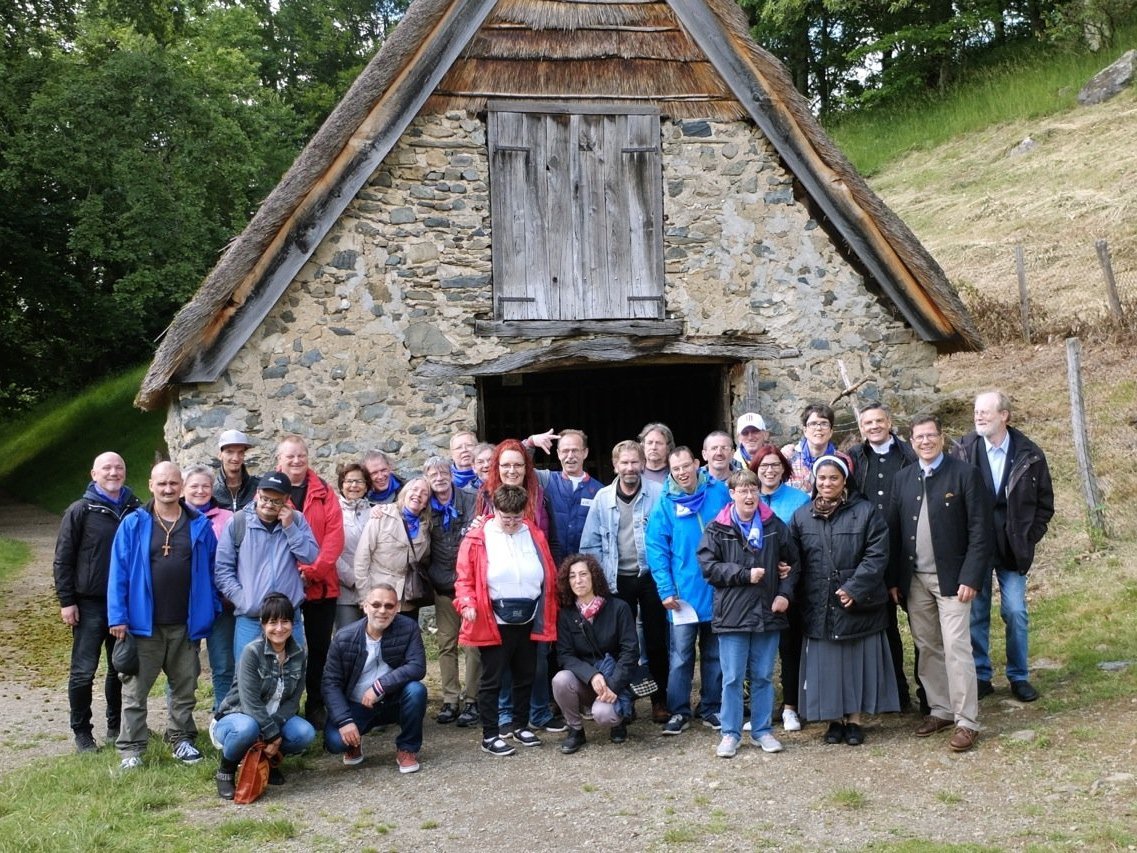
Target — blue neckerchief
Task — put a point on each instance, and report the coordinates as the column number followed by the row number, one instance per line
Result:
column 751, row 530
column 807, row 459
column 412, row 522
column 393, row 486
column 742, row 450
column 476, row 483
column 462, row 477
column 123, row 496
column 689, row 504
column 448, row 510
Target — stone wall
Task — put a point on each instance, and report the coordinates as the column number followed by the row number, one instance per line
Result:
column 405, row 270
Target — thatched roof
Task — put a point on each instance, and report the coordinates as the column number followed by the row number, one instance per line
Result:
column 688, row 58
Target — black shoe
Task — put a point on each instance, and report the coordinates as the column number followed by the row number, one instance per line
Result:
column 835, row 733
column 446, row 714
column 275, row 777
column 986, row 688
column 619, row 733
column 573, row 741
column 557, row 724
column 85, row 743
column 112, row 735
column 469, row 715
column 854, row 734
column 1023, row 691
column 226, row 774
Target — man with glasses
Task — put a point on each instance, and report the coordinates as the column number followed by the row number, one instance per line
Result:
column 750, row 429
column 261, row 551
column 940, row 523
column 718, row 450
column 373, row 677
column 817, row 422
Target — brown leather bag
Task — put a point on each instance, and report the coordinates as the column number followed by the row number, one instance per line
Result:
column 252, row 776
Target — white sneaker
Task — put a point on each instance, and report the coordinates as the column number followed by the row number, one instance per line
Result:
column 212, row 734
column 728, row 747
column 131, row 762
column 768, row 742
column 187, row 753
column 791, row 722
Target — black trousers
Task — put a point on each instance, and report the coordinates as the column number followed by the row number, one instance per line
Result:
column 789, row 651
column 319, row 623
column 518, row 654
column 639, row 592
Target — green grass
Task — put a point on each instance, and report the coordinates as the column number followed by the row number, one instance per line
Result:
column 13, row 557
column 848, row 798
column 46, row 454
column 1037, row 81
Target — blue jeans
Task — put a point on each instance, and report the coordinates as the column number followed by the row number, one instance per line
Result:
column 219, row 646
column 237, row 732
column 681, row 671
column 248, row 628
column 407, row 707
column 90, row 640
column 1012, row 607
column 540, row 714
column 743, row 653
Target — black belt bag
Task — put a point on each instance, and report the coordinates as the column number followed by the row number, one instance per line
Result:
column 515, row 611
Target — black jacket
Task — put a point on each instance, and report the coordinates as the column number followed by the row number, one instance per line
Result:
column 879, row 492
column 83, row 549
column 959, row 512
column 849, row 551
column 402, row 650
column 234, row 501
column 726, row 560
column 444, row 543
column 1029, row 495
column 614, row 632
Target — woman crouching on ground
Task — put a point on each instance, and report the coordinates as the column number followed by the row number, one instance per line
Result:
column 598, row 648
column 264, row 701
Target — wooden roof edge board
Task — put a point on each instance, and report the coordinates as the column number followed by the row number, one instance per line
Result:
column 522, row 104
column 624, row 28
column 444, row 26
column 828, row 187
column 577, row 98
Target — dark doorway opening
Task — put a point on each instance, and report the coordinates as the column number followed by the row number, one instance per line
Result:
column 609, row 403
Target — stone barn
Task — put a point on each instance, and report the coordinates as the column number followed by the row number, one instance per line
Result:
column 547, row 213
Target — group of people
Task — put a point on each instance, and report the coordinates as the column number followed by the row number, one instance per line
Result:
column 555, row 592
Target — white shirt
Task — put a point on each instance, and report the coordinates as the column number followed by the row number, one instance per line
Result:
column 372, row 670
column 997, row 458
column 513, row 566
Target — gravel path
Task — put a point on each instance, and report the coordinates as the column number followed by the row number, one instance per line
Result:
column 1037, row 778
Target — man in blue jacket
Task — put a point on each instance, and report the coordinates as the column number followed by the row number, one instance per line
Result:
column 689, row 502
column 373, row 677
column 161, row 592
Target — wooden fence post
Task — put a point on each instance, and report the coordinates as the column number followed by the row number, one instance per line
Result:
column 1024, row 297
column 1110, row 282
column 1095, row 513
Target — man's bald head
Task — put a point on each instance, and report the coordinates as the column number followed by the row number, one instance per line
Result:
column 108, row 472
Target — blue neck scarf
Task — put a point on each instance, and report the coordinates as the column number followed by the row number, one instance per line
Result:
column 807, row 458
column 751, row 530
column 123, row 496
column 393, row 486
column 690, row 504
column 462, row 477
column 742, row 451
column 448, row 510
column 412, row 522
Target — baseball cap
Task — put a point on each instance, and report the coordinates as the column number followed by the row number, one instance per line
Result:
column 275, row 481
column 750, row 419
column 232, row 436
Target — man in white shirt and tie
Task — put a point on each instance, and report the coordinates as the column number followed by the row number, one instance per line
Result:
column 1014, row 468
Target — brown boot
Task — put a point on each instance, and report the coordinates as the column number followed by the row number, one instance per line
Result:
column 659, row 712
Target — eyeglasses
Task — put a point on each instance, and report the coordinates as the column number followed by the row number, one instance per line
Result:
column 276, row 502
column 381, row 605
column 770, row 466
column 818, row 425
column 745, row 490
column 512, row 466
column 921, row 439
column 354, row 483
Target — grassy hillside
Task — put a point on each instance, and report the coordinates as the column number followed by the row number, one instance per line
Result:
column 46, row 455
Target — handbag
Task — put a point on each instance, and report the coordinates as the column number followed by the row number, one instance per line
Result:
column 417, row 590
column 252, row 776
column 515, row 611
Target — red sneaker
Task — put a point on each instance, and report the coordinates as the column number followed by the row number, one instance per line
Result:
column 407, row 761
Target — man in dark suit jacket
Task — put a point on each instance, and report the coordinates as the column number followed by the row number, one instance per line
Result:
column 1014, row 469
column 940, row 522
column 373, row 676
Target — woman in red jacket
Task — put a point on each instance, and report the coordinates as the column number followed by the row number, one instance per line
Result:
column 506, row 595
column 320, row 507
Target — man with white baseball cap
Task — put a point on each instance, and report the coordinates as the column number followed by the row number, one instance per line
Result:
column 234, row 486
column 751, row 433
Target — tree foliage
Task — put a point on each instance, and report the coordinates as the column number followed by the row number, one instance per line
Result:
column 136, row 138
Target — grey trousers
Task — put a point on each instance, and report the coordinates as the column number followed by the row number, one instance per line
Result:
column 168, row 650
column 448, row 622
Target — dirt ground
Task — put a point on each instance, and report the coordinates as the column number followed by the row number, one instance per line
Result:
column 1039, row 778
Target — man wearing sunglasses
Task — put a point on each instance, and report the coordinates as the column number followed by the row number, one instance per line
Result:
column 261, row 551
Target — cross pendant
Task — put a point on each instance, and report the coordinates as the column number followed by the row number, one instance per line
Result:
column 165, row 550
